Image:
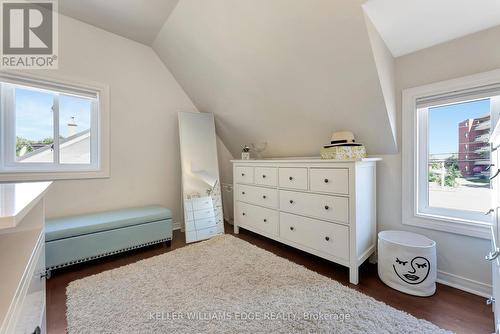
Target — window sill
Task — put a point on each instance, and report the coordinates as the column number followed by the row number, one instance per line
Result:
column 52, row 176
column 443, row 224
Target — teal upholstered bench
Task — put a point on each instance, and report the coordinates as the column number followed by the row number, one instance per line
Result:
column 82, row 238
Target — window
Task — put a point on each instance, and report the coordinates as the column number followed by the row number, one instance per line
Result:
column 457, row 183
column 52, row 130
column 446, row 152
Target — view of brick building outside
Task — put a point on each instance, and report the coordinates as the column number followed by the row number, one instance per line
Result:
column 473, row 146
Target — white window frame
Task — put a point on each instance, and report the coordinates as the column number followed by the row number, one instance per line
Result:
column 414, row 149
column 12, row 171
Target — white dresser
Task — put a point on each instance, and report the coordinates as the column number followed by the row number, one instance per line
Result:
column 203, row 217
column 22, row 258
column 324, row 207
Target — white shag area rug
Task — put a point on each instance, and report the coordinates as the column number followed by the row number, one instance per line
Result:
column 226, row 285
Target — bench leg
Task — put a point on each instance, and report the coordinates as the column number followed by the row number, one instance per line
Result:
column 168, row 243
column 47, row 274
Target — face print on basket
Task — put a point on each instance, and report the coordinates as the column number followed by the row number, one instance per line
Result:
column 414, row 271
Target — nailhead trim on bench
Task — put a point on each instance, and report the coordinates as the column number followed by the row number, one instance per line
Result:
column 48, row 269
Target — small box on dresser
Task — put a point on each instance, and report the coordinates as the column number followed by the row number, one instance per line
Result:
column 323, row 207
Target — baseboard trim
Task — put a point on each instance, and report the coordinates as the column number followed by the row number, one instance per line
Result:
column 176, row 226
column 465, row 284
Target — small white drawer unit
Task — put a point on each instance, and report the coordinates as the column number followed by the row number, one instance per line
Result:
column 202, row 218
column 324, row 207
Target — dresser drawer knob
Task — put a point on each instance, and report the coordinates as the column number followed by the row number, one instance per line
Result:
column 290, row 178
column 264, row 196
column 243, row 193
column 326, row 180
column 327, row 238
column 242, row 174
column 291, row 201
column 327, row 207
column 489, row 211
column 492, row 255
column 292, row 228
column 243, row 213
column 265, row 220
column 263, row 176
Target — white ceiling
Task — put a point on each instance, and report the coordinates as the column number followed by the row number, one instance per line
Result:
column 139, row 20
column 410, row 25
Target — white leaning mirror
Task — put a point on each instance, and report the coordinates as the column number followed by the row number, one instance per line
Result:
column 201, row 190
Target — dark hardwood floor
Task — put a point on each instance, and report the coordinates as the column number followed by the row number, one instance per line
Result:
column 449, row 308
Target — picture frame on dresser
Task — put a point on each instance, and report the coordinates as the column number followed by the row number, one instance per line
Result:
column 323, row 207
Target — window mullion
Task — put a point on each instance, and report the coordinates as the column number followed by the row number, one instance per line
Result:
column 422, row 164
column 55, row 110
column 95, row 135
column 9, row 119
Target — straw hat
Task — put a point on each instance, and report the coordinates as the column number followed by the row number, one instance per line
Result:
column 343, row 138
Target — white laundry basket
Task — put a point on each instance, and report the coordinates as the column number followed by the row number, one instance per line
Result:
column 407, row 262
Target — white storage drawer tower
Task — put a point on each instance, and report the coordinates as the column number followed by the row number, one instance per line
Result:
column 324, row 207
column 22, row 257
column 203, row 217
column 494, row 255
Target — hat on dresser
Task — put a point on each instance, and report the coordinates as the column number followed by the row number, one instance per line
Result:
column 343, row 138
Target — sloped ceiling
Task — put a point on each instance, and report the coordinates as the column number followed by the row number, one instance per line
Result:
column 411, row 25
column 139, row 20
column 285, row 72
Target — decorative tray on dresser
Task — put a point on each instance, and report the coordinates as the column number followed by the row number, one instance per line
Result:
column 323, row 207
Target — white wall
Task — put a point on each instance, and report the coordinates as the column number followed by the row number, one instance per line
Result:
column 144, row 99
column 457, row 255
column 386, row 70
column 226, row 178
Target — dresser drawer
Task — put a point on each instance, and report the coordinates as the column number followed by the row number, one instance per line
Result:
column 322, row 236
column 266, row 176
column 315, row 205
column 191, row 236
column 208, row 232
column 262, row 219
column 294, row 178
column 201, row 214
column 188, row 205
column 202, row 203
column 257, row 195
column 243, row 174
column 189, row 225
column 330, row 180
column 205, row 223
column 188, row 215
